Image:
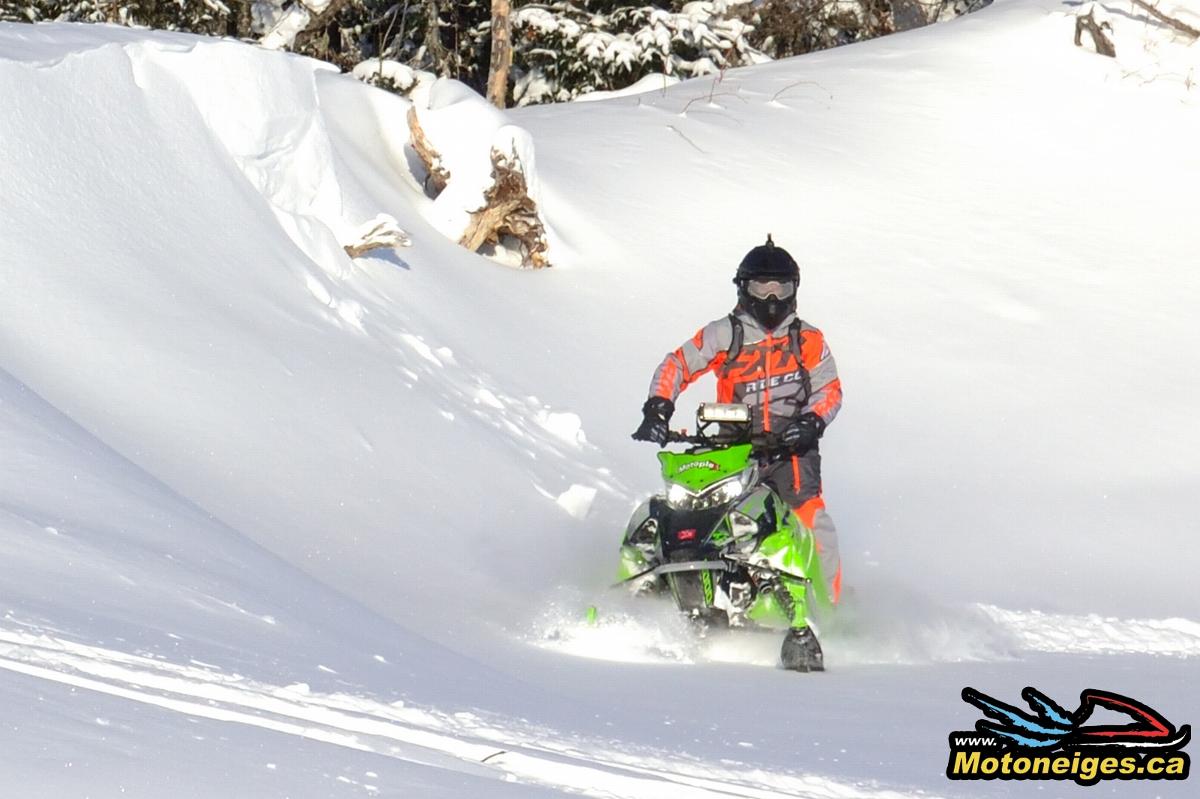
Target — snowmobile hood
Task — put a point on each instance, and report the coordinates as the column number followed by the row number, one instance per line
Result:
column 699, row 470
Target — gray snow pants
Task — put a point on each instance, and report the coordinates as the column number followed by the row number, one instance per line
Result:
column 798, row 482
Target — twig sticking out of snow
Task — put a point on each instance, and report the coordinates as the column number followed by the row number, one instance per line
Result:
column 775, row 96
column 381, row 232
column 681, row 135
column 709, row 98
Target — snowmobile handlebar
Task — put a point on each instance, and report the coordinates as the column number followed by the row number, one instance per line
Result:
column 764, row 442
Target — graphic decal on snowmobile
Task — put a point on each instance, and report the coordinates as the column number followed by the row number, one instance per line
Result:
column 697, row 465
column 1051, row 743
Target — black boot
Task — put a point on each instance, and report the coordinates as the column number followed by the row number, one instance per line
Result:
column 801, row 651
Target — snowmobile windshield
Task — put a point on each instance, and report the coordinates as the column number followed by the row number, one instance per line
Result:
column 699, row 471
column 762, row 289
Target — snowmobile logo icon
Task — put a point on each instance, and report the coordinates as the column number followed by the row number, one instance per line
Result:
column 686, row 535
column 1049, row 743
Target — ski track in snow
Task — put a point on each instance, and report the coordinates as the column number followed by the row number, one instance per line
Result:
column 461, row 742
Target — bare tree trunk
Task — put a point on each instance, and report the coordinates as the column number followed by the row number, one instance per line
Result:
column 502, row 56
column 435, row 51
column 245, row 20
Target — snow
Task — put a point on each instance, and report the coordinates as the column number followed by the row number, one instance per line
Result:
column 402, row 75
column 542, row 20
column 335, row 524
column 577, row 500
column 414, row 83
column 649, row 83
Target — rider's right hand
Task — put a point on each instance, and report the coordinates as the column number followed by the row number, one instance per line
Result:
column 656, row 417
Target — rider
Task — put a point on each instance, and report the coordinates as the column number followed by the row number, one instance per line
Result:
column 766, row 357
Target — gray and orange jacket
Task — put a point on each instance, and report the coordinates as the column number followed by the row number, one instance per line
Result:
column 782, row 374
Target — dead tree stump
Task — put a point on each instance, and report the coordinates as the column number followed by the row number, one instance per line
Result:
column 1103, row 44
column 509, row 212
column 504, row 207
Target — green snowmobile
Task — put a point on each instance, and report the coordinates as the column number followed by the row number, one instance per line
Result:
column 726, row 547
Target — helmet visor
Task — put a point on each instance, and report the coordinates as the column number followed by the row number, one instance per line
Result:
column 762, row 289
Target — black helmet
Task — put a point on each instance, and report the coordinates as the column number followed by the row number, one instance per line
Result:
column 763, row 265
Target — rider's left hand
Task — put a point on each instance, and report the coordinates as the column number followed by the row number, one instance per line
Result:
column 801, row 435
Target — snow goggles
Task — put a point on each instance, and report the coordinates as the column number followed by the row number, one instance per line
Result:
column 761, row 289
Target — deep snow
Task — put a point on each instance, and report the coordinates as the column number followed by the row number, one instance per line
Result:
column 253, row 490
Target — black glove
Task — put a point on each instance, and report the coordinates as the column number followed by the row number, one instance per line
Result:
column 656, row 413
column 802, row 435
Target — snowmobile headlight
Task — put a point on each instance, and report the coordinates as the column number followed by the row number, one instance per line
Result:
column 679, row 497
column 722, row 493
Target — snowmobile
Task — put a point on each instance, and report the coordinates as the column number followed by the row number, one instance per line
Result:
column 722, row 543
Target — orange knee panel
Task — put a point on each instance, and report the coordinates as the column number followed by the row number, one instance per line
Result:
column 808, row 511
column 808, row 515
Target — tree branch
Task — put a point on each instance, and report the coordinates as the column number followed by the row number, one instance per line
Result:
column 1177, row 24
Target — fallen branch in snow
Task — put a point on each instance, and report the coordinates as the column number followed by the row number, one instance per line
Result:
column 435, row 172
column 1104, row 45
column 381, row 232
column 1175, row 23
column 509, row 212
